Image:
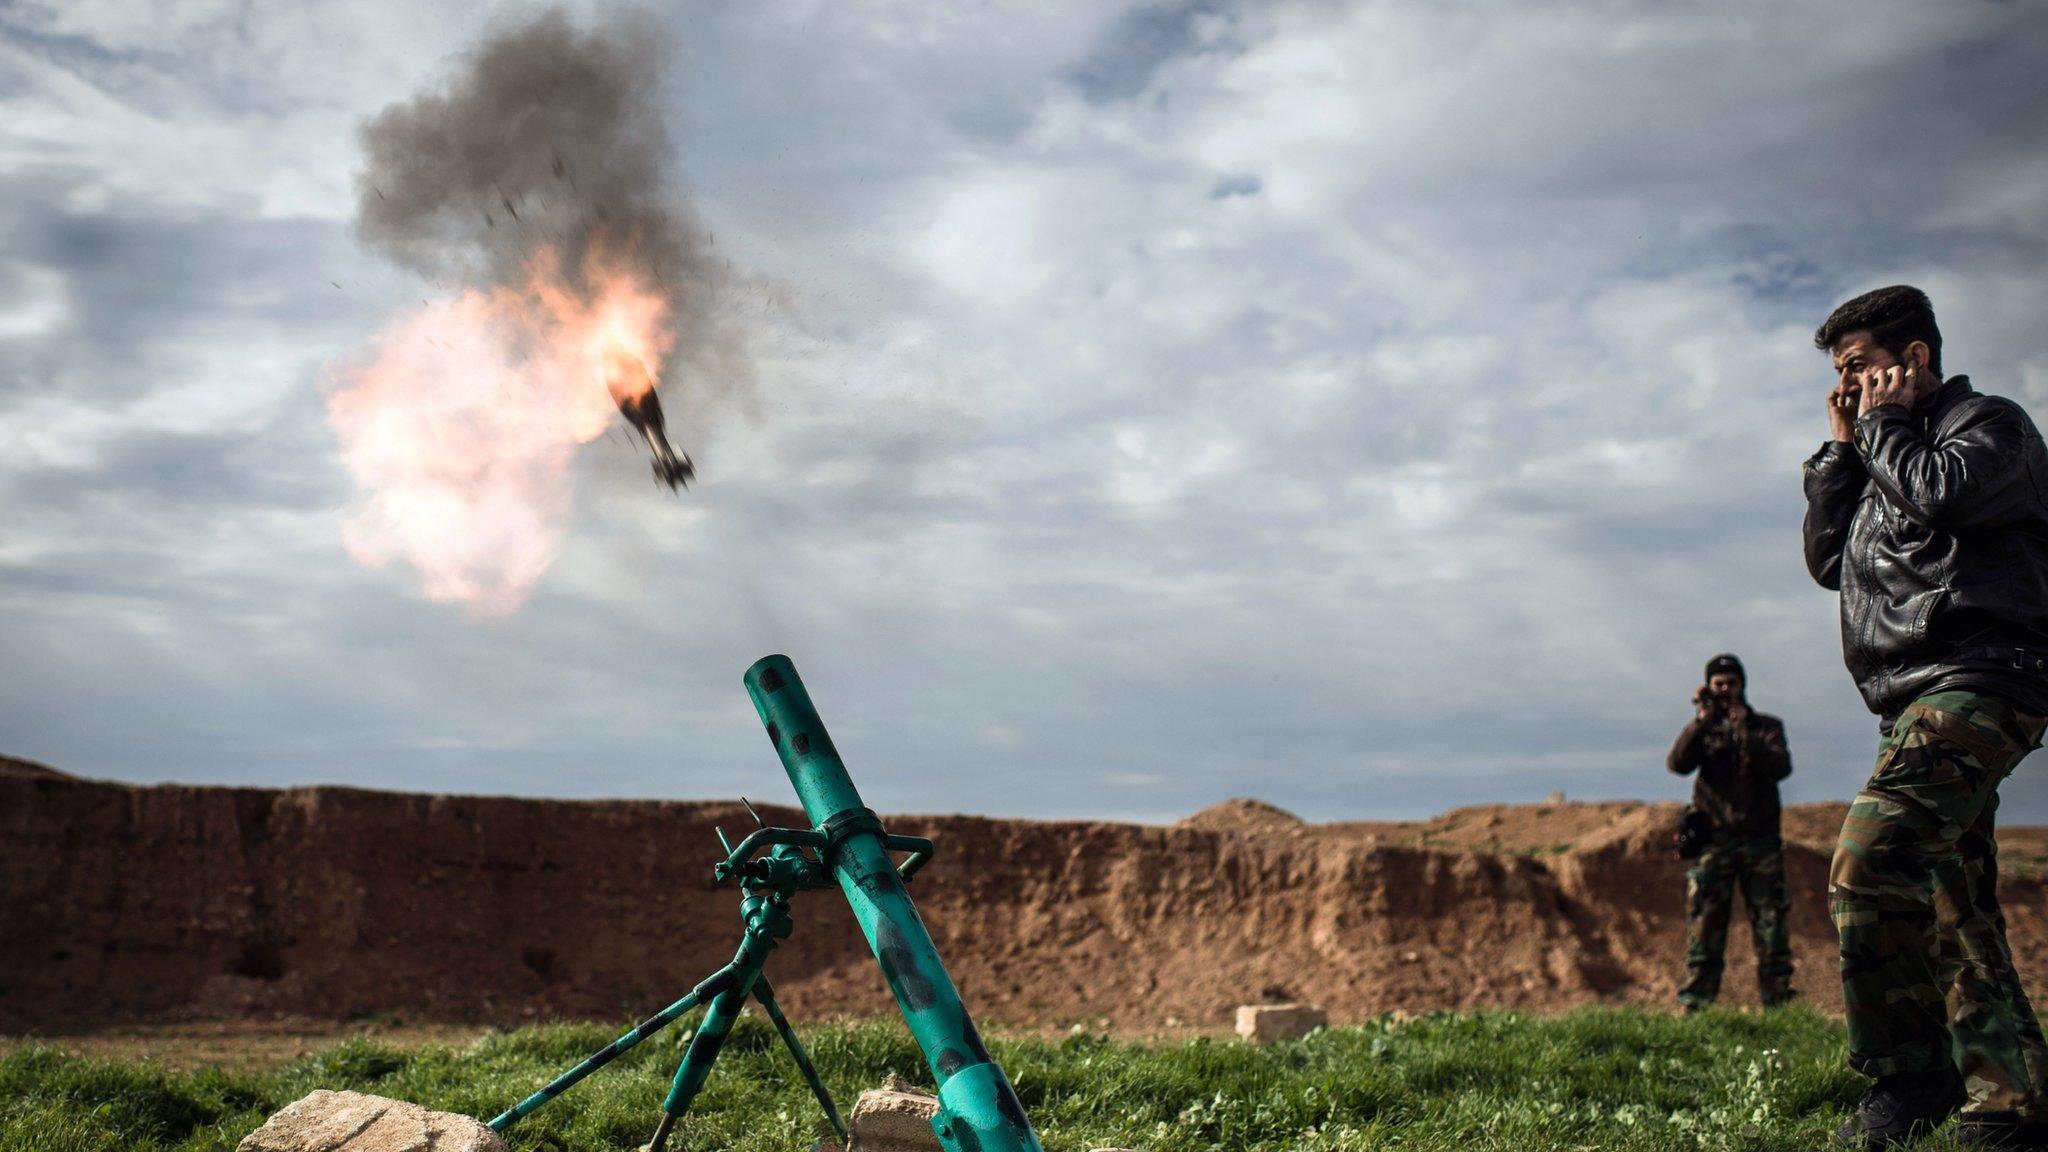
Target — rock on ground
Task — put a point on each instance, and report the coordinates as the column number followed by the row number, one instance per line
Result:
column 355, row 1122
column 1272, row 1023
column 894, row 1118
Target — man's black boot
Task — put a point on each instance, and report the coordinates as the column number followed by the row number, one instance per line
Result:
column 2002, row 1130
column 1901, row 1107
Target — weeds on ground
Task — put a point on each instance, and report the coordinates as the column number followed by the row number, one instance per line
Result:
column 1594, row 1079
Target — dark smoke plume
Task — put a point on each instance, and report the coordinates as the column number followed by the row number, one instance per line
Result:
column 547, row 134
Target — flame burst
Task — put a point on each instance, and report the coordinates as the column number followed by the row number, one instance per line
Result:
column 460, row 424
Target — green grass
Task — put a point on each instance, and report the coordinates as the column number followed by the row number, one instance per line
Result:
column 1594, row 1079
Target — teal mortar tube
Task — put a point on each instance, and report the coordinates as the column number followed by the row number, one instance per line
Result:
column 978, row 1108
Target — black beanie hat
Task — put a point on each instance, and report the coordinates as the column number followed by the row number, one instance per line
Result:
column 1725, row 663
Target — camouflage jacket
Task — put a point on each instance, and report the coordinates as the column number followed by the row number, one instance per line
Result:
column 1739, row 768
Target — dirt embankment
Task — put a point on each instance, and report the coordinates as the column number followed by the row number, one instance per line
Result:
column 128, row 903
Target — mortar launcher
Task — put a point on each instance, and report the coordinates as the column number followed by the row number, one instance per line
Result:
column 846, row 847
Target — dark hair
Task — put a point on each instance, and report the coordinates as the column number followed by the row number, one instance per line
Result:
column 1725, row 662
column 1894, row 317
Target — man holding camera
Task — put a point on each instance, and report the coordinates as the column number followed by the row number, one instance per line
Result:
column 1739, row 755
column 1928, row 510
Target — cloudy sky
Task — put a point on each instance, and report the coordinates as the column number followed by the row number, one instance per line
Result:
column 1369, row 407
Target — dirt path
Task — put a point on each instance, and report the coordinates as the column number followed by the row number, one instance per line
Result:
column 239, row 1045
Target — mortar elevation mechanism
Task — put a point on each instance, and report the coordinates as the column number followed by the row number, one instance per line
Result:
column 846, row 846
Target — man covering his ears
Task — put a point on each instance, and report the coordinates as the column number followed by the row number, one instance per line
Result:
column 1928, row 510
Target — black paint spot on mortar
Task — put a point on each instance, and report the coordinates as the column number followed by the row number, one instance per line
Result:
column 899, row 967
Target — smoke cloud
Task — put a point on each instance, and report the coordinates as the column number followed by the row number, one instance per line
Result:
column 548, row 138
column 535, row 185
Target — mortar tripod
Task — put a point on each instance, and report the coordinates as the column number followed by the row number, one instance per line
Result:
column 846, row 847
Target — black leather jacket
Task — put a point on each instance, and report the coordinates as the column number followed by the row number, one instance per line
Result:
column 1739, row 768
column 1934, row 526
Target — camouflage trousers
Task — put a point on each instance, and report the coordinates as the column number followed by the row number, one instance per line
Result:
column 1756, row 865
column 1926, row 973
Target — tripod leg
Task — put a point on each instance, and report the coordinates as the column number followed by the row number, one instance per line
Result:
column 722, row 978
column 660, row 1136
column 766, row 996
column 697, row 1060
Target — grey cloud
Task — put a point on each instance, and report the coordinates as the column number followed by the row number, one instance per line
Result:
column 228, row 59
column 1122, row 62
column 117, row 71
column 1228, row 186
column 196, row 468
column 140, row 291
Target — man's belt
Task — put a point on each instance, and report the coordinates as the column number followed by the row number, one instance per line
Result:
column 2020, row 657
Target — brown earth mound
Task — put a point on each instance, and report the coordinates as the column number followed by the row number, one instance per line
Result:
column 1246, row 816
column 13, row 766
column 179, row 903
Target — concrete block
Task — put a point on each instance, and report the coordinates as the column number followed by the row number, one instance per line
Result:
column 1271, row 1023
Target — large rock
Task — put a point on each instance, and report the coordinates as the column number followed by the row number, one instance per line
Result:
column 1272, row 1023
column 354, row 1122
column 893, row 1118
